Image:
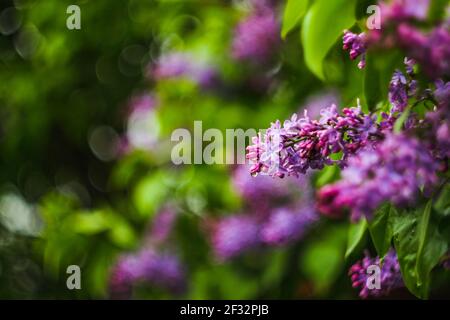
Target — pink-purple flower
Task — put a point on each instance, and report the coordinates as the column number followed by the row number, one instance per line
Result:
column 257, row 36
column 302, row 143
column 393, row 170
column 356, row 45
column 149, row 267
column 390, row 275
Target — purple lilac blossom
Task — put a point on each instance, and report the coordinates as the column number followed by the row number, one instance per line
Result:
column 390, row 275
column 234, row 235
column 162, row 225
column 124, row 273
column 286, row 225
column 148, row 267
column 393, row 170
column 184, row 65
column 355, row 44
column 438, row 119
column 301, row 143
column 263, row 193
column 402, row 87
column 257, row 36
column 277, row 212
column 431, row 50
column 398, row 92
column 403, row 10
column 315, row 103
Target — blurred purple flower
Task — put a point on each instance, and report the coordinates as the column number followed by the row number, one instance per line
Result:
column 439, row 120
column 392, row 170
column 398, row 92
column 184, row 65
column 162, row 225
column 286, row 225
column 315, row 103
column 124, row 273
column 149, row 267
column 390, row 275
column 233, row 235
column 401, row 10
column 256, row 37
column 432, row 51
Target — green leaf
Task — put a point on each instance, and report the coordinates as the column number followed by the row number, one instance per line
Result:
column 293, row 13
column 322, row 27
column 356, row 237
column 323, row 260
column 398, row 125
column 150, row 193
column 442, row 204
column 372, row 85
column 419, row 247
column 431, row 247
column 327, row 175
column 381, row 229
column 377, row 75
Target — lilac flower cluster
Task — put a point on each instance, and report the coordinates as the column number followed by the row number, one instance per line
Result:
column 285, row 226
column 149, row 267
column 402, row 87
column 277, row 212
column 356, row 45
column 404, row 10
column 438, row 119
column 431, row 50
column 390, row 276
column 184, row 65
column 235, row 234
column 162, row 225
column 393, row 170
column 257, row 36
column 302, row 144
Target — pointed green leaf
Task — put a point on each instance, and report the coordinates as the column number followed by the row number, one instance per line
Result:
column 322, row 27
column 356, row 234
column 293, row 13
column 419, row 247
column 380, row 228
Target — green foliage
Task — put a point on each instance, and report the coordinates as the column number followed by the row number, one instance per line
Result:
column 381, row 229
column 356, row 237
column 319, row 35
column 293, row 14
column 419, row 247
column 322, row 260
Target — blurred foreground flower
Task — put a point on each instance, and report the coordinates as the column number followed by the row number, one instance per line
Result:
column 394, row 171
